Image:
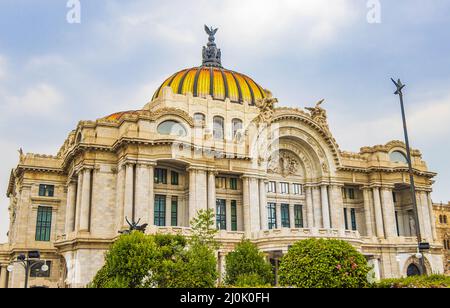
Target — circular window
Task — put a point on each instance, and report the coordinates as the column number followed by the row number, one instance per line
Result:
column 172, row 128
column 398, row 157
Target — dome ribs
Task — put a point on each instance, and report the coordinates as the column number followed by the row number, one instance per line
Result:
column 195, row 93
column 211, row 82
column 225, row 82
column 215, row 82
column 180, row 86
column 241, row 99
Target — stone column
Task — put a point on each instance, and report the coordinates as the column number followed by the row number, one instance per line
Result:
column 212, row 192
column 325, row 207
column 278, row 211
column 85, row 200
column 192, row 195
column 201, row 187
column 129, row 194
column 168, row 221
column 432, row 218
column 428, row 232
column 151, row 194
column 420, row 215
column 70, row 208
column 368, row 211
column 120, row 188
column 3, row 277
column 389, row 212
column 228, row 214
column 309, row 208
column 255, row 219
column 378, row 212
column 142, row 201
column 292, row 215
column 263, row 205
column 317, row 207
column 246, row 204
column 337, row 207
column 78, row 202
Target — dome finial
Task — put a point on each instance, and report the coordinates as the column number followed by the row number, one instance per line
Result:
column 211, row 54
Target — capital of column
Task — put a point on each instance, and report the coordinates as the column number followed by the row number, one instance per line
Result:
column 253, row 176
column 195, row 168
column 387, row 187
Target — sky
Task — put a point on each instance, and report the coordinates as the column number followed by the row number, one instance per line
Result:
column 54, row 73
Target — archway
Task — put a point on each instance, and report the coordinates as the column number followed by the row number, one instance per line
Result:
column 412, row 270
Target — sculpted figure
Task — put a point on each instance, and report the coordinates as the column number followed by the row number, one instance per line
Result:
column 318, row 114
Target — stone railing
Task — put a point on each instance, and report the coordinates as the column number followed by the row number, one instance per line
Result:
column 307, row 233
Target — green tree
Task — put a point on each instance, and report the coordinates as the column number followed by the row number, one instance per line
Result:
column 321, row 263
column 246, row 266
column 165, row 261
column 128, row 262
column 204, row 230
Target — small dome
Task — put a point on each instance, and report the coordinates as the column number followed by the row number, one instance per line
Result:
column 217, row 82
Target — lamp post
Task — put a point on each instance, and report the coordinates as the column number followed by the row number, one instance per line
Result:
column 420, row 245
column 27, row 262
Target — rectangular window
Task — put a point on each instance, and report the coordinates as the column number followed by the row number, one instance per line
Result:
column 46, row 190
column 174, row 178
column 396, row 223
column 351, row 193
column 353, row 218
column 272, row 187
column 345, row 219
column 285, row 188
column 174, row 212
column 297, row 189
column 37, row 272
column 221, row 182
column 285, row 219
column 160, row 176
column 43, row 224
column 298, row 211
column 233, row 183
column 272, row 215
column 160, row 210
column 233, row 215
column 221, row 214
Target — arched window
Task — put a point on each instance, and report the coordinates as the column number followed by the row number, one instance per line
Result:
column 199, row 119
column 413, row 270
column 237, row 128
column 440, row 219
column 218, row 128
column 445, row 219
column 172, row 128
column 398, row 157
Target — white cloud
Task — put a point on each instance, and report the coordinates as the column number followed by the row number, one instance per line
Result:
column 263, row 25
column 427, row 124
column 41, row 99
column 3, row 67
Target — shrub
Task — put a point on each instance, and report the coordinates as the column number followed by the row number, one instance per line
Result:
column 246, row 265
column 433, row 282
column 321, row 263
column 127, row 262
column 251, row 281
column 166, row 261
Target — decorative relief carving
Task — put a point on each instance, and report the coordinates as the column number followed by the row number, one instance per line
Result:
column 266, row 108
column 319, row 115
column 284, row 163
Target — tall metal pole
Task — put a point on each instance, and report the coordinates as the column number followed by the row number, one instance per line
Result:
column 399, row 92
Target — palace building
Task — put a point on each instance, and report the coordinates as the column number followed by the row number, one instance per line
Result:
column 213, row 138
column 442, row 218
